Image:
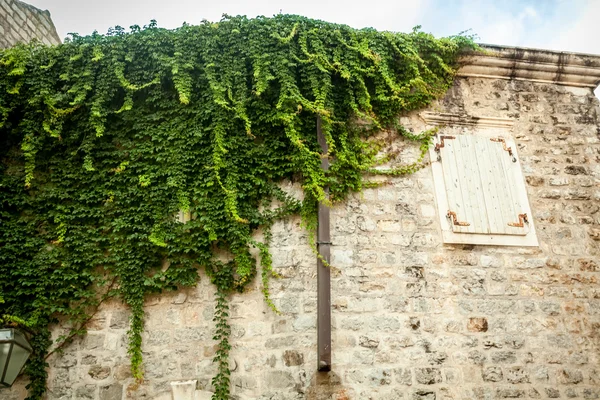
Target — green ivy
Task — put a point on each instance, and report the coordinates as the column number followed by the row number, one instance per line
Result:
column 106, row 138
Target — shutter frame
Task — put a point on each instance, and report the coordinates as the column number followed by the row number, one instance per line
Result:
column 469, row 168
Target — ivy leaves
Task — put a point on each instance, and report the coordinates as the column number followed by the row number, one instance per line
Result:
column 106, row 138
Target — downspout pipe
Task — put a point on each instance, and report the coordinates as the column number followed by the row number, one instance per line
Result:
column 323, row 271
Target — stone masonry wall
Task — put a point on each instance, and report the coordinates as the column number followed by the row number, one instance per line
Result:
column 21, row 22
column 413, row 318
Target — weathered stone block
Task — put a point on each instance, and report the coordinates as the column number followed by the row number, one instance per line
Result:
column 342, row 258
column 122, row 372
column 403, row 376
column 111, row 392
column 476, row 357
column 576, row 170
column 292, row 358
column 436, row 357
column 380, row 377
column 477, row 324
column 99, row 372
column 371, row 343
column 517, row 375
column 190, row 334
column 510, row 393
column 514, row 342
column 570, row 376
column 304, row 323
column 423, row 395
column 355, row 376
column 65, row 360
column 173, row 316
column 93, row 341
column 180, row 298
column 87, row 392
column 279, row 342
column 504, row 357
column 559, row 341
column 492, row 374
column 428, row 376
column 550, row 308
column 119, row 320
column 366, row 224
column 244, row 382
column 489, row 261
column 571, row 393
column 534, row 180
column 89, row 359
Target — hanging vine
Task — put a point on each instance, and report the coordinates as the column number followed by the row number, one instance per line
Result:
column 104, row 139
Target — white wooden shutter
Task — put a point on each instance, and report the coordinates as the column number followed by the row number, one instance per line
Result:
column 483, row 189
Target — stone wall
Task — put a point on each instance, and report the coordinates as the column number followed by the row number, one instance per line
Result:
column 21, row 22
column 412, row 318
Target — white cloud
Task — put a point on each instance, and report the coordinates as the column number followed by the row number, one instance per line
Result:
column 529, row 12
column 496, row 23
column 581, row 35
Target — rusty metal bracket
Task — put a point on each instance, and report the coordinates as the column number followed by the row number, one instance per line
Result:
column 505, row 147
column 441, row 144
column 522, row 219
column 454, row 218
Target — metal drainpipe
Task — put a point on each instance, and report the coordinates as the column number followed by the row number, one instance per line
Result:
column 323, row 272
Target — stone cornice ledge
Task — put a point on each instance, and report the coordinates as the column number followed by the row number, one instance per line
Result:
column 502, row 62
column 436, row 118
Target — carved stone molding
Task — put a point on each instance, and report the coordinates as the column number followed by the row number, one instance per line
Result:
column 433, row 118
column 502, row 62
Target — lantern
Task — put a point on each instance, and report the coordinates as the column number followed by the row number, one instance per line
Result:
column 14, row 352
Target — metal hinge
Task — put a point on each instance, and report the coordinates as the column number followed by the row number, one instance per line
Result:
column 455, row 221
column 522, row 219
column 505, row 147
column 441, row 144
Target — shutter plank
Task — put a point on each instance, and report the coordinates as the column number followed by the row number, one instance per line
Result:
column 510, row 213
column 484, row 172
column 504, row 210
column 453, row 190
column 488, row 185
column 460, row 150
column 477, row 202
column 512, row 173
column 447, row 158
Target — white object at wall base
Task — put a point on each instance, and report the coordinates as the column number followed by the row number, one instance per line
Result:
column 184, row 390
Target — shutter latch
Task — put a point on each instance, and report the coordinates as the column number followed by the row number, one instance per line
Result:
column 522, row 219
column 455, row 221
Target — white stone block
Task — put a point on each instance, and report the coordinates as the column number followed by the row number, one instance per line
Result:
column 341, row 257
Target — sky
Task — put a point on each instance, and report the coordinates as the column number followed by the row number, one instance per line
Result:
column 565, row 25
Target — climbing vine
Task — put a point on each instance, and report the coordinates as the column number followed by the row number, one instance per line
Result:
column 105, row 139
